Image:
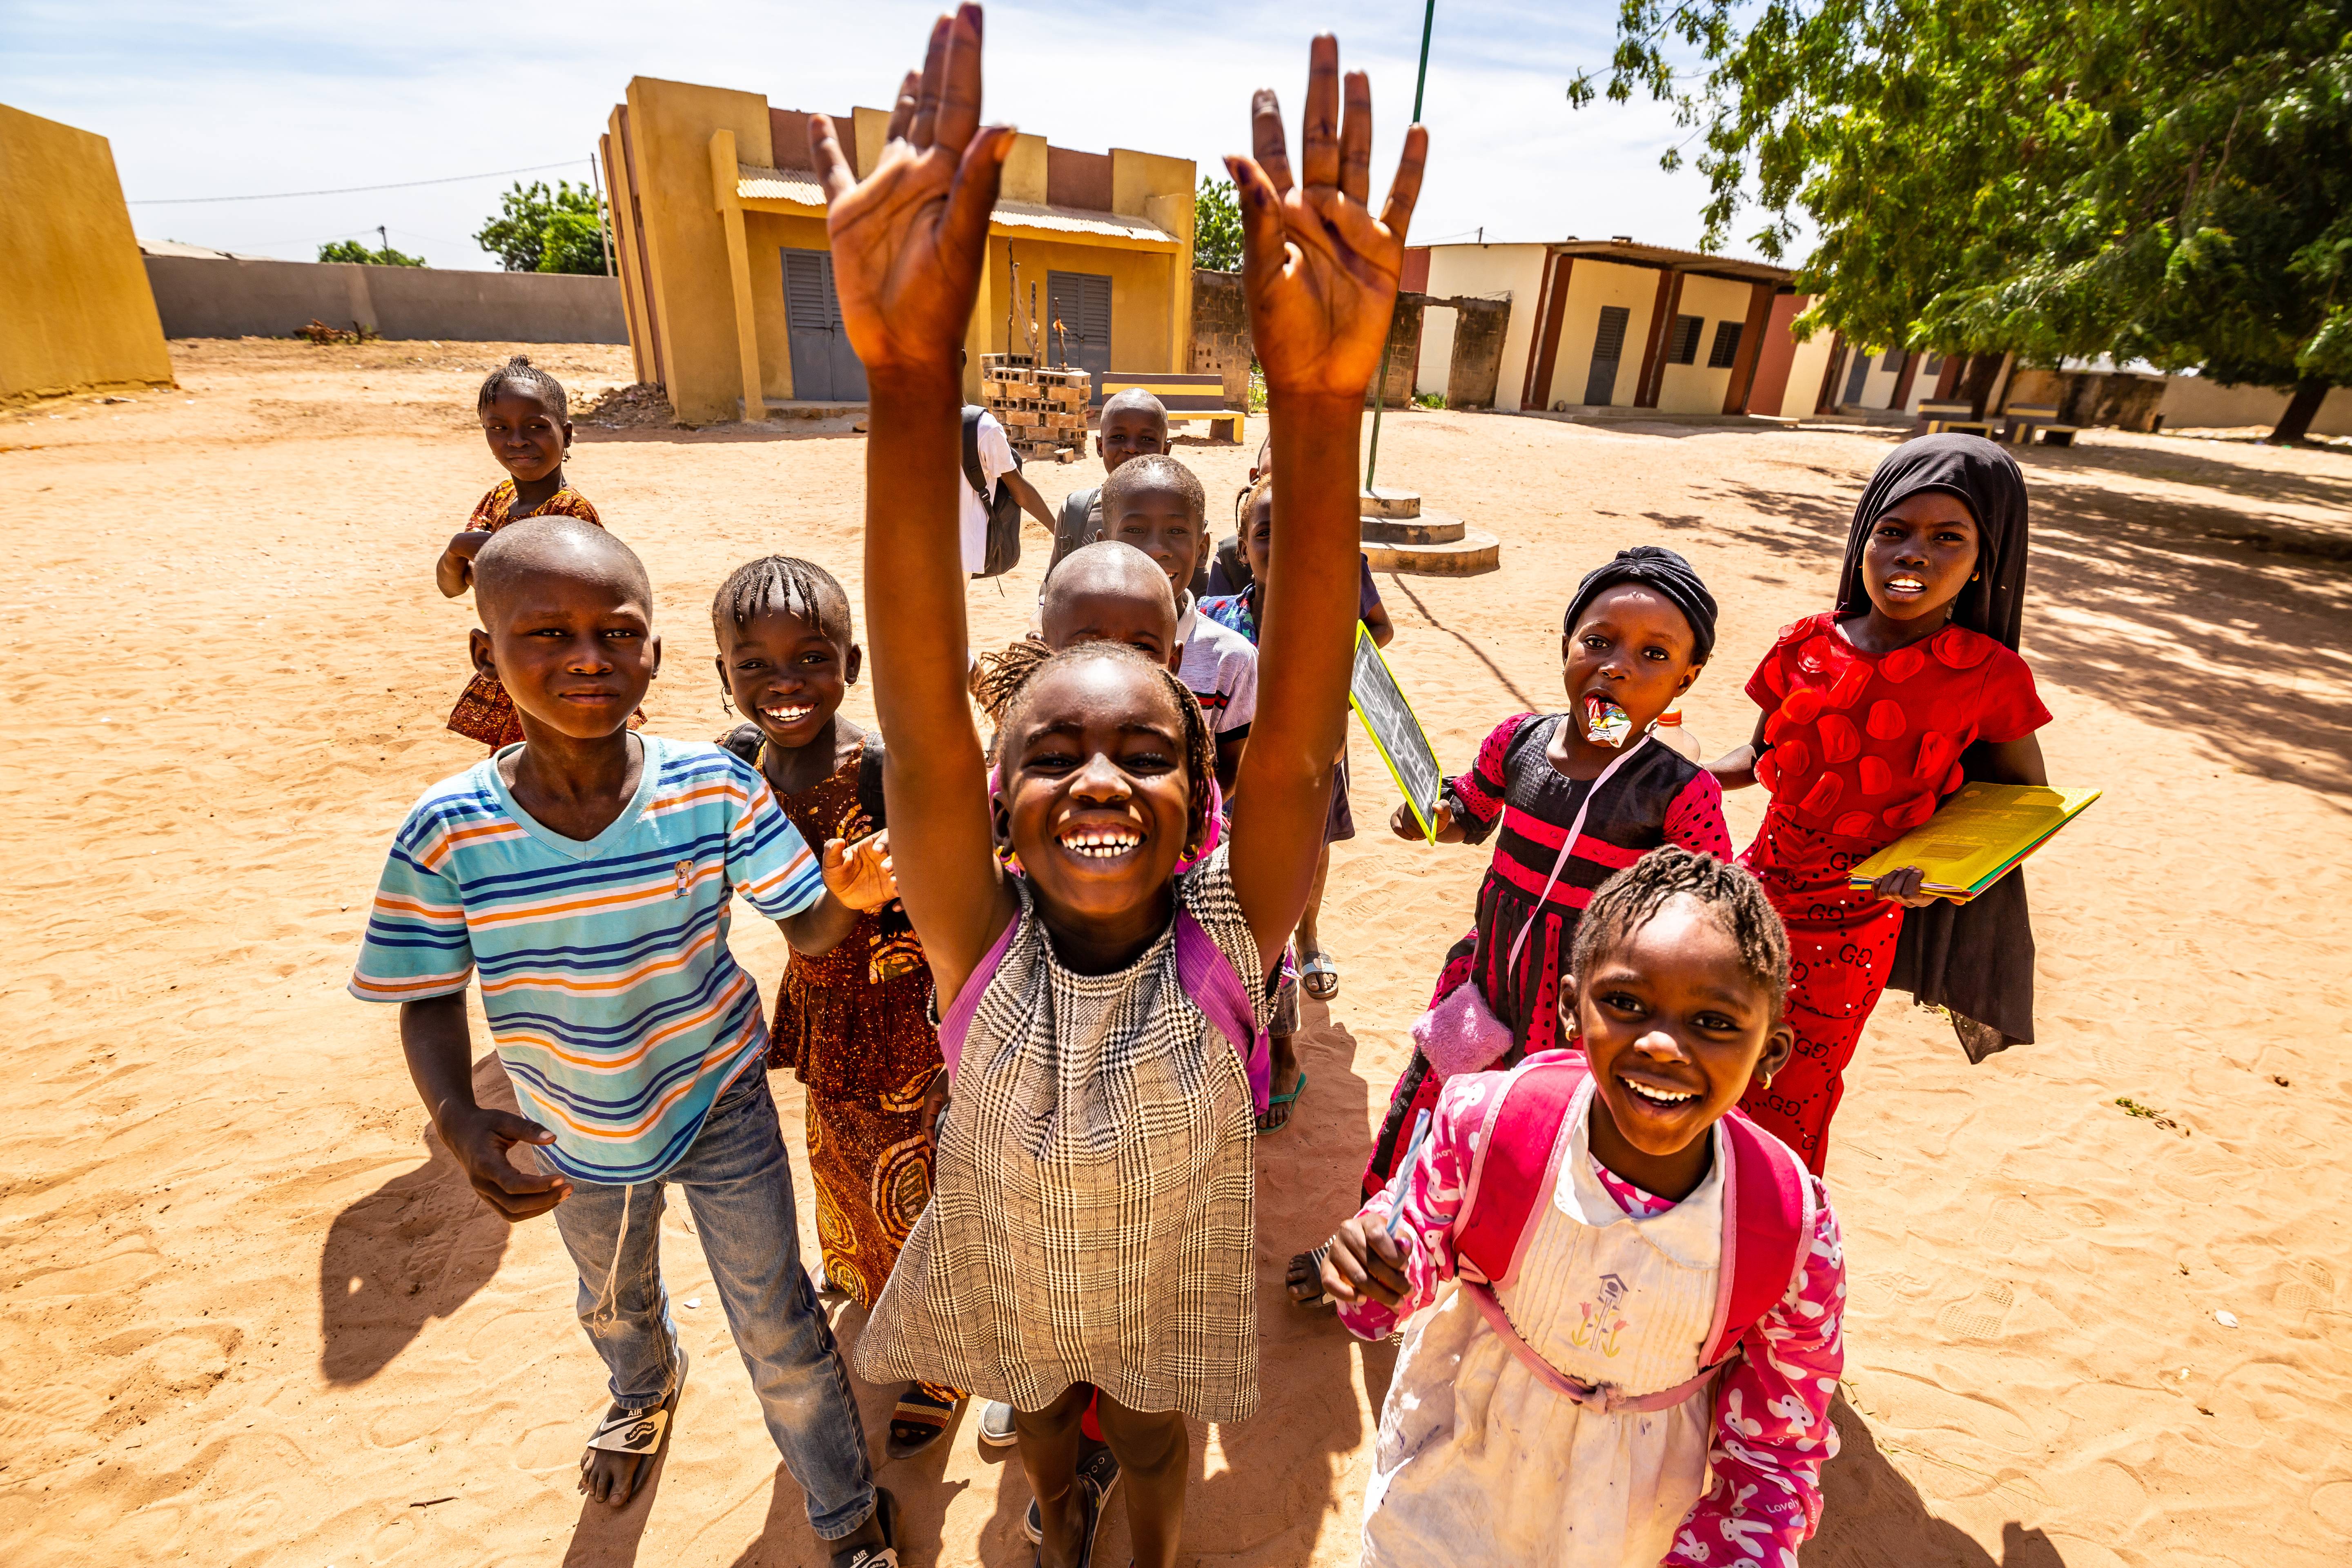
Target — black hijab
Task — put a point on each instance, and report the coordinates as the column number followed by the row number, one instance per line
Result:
column 1975, row 959
column 1660, row 570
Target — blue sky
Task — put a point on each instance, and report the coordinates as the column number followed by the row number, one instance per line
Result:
column 243, row 97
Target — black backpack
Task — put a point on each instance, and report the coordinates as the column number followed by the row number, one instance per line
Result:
column 1004, row 552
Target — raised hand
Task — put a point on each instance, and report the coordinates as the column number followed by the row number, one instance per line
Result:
column 1320, row 269
column 909, row 239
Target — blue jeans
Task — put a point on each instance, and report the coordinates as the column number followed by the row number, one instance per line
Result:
column 739, row 1186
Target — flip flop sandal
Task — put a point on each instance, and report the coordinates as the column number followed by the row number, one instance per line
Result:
column 1098, row 1468
column 923, row 1413
column 640, row 1432
column 1320, row 976
column 1089, row 1524
column 1291, row 1098
column 885, row 1508
column 1317, row 1301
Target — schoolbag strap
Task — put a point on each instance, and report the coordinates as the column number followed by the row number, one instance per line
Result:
column 1208, row 977
column 1768, row 1232
column 1517, row 1163
column 956, row 1022
column 1568, row 845
column 972, row 473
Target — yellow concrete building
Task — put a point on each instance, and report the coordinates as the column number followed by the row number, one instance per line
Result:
column 76, row 314
column 719, row 220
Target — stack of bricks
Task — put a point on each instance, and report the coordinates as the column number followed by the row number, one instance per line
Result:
column 1044, row 412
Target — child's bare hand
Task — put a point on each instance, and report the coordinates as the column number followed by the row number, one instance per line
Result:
column 1364, row 1264
column 861, row 875
column 479, row 1138
column 455, row 571
column 1405, row 824
column 909, row 239
column 1901, row 886
column 1320, row 269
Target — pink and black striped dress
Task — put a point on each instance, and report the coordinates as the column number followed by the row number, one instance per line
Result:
column 1513, row 795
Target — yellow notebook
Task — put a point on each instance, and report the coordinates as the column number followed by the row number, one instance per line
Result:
column 1976, row 836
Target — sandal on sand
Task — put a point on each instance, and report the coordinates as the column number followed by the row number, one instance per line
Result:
column 826, row 1290
column 1269, row 1127
column 1098, row 1468
column 923, row 1413
column 1319, row 975
column 885, row 1508
column 639, row 1433
column 1313, row 1270
column 1090, row 1499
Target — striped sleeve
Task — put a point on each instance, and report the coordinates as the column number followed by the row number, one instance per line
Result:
column 416, row 943
column 767, row 859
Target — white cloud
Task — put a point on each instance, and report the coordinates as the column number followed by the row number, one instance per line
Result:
column 229, row 99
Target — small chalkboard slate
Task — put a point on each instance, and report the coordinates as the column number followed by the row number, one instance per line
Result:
column 1388, row 718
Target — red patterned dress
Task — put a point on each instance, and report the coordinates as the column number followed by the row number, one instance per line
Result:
column 484, row 711
column 1859, row 749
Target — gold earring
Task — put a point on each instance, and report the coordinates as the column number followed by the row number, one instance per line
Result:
column 1767, row 1083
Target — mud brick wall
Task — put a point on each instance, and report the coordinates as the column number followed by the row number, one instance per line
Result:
column 1221, row 340
column 1476, row 364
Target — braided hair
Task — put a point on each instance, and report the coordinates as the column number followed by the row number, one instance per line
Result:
column 534, row 381
column 1732, row 897
column 1015, row 682
column 996, row 676
column 787, row 586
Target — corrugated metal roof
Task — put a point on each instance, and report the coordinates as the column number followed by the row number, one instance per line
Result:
column 1680, row 260
column 801, row 188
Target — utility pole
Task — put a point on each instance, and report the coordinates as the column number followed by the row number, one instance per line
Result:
column 1381, row 389
column 603, row 235
column 382, row 240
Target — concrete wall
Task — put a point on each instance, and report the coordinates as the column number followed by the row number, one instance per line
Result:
column 1437, row 322
column 1513, row 273
column 1695, row 388
column 75, row 313
column 1402, row 358
column 204, row 297
column 1592, row 285
column 1809, row 362
column 1474, row 371
column 1221, row 334
column 2193, row 402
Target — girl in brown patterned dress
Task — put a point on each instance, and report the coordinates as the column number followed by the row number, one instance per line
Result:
column 852, row 1025
column 528, row 423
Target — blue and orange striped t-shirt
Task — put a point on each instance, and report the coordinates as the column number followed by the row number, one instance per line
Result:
column 618, row 1011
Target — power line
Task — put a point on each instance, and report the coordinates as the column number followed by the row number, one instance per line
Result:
column 353, row 190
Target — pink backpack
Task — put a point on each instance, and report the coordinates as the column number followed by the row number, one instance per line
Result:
column 1203, row 970
column 1768, row 1221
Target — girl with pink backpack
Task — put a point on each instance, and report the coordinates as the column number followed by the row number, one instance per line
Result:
column 1633, row 1362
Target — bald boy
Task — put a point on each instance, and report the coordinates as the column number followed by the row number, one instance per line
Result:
column 1109, row 592
column 1134, row 423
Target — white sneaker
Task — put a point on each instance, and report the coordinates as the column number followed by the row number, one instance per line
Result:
column 996, row 1425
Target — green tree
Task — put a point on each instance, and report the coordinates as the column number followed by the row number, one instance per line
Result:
column 539, row 230
column 1216, row 227
column 352, row 250
column 2167, row 179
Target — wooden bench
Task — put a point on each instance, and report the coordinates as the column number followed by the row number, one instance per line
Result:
column 1184, row 397
column 2026, row 420
column 1939, row 416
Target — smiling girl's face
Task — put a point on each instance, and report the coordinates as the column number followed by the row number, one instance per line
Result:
column 1098, row 798
column 786, row 675
column 1920, row 555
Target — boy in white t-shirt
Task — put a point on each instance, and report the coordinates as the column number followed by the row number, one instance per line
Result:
column 996, row 467
column 1156, row 504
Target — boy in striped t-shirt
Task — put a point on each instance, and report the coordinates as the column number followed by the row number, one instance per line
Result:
column 587, row 876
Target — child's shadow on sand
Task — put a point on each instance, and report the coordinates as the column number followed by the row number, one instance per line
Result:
column 413, row 1251
column 1872, row 1516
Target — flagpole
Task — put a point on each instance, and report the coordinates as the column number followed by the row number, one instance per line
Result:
column 1380, row 390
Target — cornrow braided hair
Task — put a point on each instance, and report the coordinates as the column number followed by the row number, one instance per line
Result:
column 1018, row 681
column 1154, row 469
column 996, row 676
column 786, row 584
column 520, row 370
column 1732, row 896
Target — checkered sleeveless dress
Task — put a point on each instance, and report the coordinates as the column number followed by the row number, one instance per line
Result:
column 1092, row 1217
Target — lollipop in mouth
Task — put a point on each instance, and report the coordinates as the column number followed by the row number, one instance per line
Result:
column 1604, row 722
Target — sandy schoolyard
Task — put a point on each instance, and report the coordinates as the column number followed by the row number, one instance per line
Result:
column 250, row 1314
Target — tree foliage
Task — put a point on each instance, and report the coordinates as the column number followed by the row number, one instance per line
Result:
column 1216, row 227
column 352, row 250
column 537, row 230
column 2167, row 179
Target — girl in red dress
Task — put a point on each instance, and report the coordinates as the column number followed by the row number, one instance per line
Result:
column 1873, row 712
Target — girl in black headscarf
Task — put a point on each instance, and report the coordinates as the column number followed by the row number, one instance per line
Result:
column 1873, row 712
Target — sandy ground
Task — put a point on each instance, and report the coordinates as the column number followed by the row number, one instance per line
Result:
column 251, row 1315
